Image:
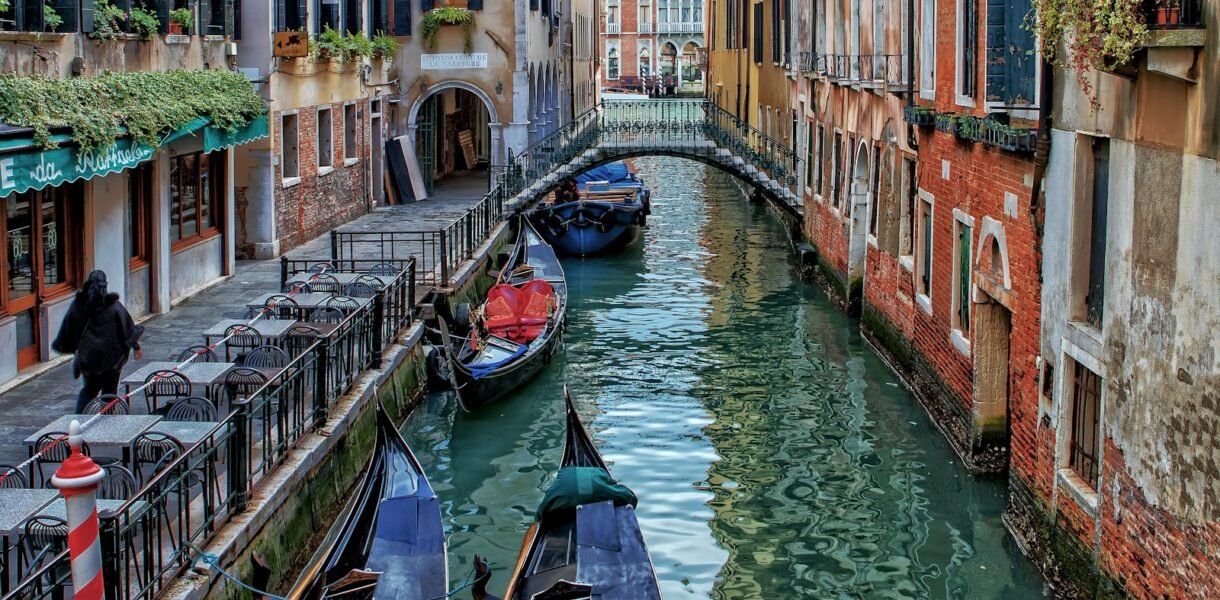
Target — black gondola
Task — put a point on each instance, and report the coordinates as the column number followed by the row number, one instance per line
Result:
column 388, row 542
column 518, row 326
column 586, row 542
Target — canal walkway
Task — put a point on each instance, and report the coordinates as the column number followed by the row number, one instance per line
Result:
column 31, row 404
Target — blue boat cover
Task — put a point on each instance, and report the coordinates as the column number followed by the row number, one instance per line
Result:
column 480, row 371
column 612, row 172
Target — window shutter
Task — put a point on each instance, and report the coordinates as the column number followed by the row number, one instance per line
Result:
column 86, row 16
column 233, row 19
column 533, row 4
column 353, row 21
column 1012, row 60
column 758, row 33
column 427, row 5
column 402, row 17
column 302, row 19
column 281, row 15
column 474, row 4
column 774, row 31
column 203, row 18
column 162, row 7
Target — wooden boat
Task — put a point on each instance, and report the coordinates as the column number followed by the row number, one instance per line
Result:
column 517, row 329
column 586, row 542
column 608, row 215
column 388, row 542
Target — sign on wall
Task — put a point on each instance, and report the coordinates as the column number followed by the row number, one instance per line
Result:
column 444, row 62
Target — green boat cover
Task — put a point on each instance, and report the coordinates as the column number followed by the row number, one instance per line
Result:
column 583, row 485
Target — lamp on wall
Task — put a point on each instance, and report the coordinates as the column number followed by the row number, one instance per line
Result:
column 499, row 87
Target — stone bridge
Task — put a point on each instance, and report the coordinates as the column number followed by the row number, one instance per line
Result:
column 619, row 129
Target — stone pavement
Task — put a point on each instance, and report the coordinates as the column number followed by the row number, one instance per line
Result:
column 32, row 404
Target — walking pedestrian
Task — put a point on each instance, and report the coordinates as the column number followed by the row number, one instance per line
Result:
column 99, row 330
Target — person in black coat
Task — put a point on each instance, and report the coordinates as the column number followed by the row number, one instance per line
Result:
column 99, row 330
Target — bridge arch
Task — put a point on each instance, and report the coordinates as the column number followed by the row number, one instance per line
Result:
column 493, row 116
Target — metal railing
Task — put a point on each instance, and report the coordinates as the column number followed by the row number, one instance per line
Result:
column 691, row 27
column 613, row 28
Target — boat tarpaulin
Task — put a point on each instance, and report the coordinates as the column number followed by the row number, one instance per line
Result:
column 575, row 486
column 612, row 172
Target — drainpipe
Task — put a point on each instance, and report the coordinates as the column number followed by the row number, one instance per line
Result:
column 912, row 139
column 1042, row 156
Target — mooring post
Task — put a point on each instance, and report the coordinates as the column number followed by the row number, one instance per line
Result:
column 77, row 480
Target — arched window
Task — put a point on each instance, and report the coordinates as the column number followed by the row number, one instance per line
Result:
column 669, row 59
column 645, row 62
column 612, row 64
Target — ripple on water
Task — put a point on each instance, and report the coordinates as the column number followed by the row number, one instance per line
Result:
column 773, row 455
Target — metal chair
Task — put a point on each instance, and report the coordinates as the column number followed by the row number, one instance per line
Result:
column 300, row 337
column 102, row 405
column 12, row 478
column 240, row 338
column 243, row 381
column 371, row 281
column 297, row 287
column 195, row 409
column 360, row 289
column 324, row 283
column 265, row 357
column 342, row 303
column 202, row 354
column 282, row 306
column 326, row 314
column 321, row 267
column 152, row 449
column 384, row 269
column 119, row 483
column 52, row 448
column 43, row 537
column 164, row 385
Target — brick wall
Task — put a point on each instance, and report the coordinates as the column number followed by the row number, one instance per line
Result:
column 321, row 201
column 628, row 41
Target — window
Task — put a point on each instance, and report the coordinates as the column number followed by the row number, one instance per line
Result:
column 1012, row 60
column 808, row 155
column 1084, row 445
column 927, row 49
column 923, row 284
column 961, row 280
column 289, row 147
column 874, row 189
column 139, row 205
column 326, row 14
column 28, row 15
column 325, row 149
column 758, row 33
column 909, row 188
column 818, row 156
column 351, row 124
column 193, row 196
column 836, row 168
column 967, row 48
column 775, row 38
column 291, row 15
column 1093, row 241
column 612, row 64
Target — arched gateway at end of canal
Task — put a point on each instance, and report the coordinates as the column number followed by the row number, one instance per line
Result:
column 619, row 129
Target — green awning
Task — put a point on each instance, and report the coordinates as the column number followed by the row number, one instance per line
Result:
column 24, row 166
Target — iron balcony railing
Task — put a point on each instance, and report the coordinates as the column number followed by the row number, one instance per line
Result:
column 692, row 27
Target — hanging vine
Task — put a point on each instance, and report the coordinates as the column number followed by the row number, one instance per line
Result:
column 1094, row 34
column 430, row 25
column 141, row 105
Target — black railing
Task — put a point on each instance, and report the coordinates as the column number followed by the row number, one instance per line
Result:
column 1173, row 14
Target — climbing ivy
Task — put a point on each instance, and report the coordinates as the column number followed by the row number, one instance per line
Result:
column 144, row 105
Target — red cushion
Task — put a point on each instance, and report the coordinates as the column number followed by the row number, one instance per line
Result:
column 501, row 308
column 519, row 314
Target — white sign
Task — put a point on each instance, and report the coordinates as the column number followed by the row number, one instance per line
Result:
column 444, row 62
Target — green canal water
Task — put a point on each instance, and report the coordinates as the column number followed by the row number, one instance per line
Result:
column 773, row 453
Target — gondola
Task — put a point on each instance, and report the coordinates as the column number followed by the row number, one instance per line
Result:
column 607, row 216
column 586, row 542
column 515, row 332
column 388, row 542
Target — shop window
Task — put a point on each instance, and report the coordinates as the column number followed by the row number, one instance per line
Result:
column 1084, row 445
column 290, row 151
column 325, row 147
column 194, row 192
column 351, row 125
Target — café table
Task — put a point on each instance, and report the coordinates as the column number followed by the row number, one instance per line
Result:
column 306, row 301
column 107, row 431
column 188, row 433
column 343, row 277
column 272, row 330
column 205, row 375
column 16, row 506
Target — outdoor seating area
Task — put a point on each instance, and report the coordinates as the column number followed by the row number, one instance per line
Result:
column 186, row 440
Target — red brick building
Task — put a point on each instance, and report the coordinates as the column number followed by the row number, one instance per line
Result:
column 650, row 44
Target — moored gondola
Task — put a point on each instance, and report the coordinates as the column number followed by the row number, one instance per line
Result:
column 388, row 542
column 512, row 336
column 586, row 542
column 599, row 211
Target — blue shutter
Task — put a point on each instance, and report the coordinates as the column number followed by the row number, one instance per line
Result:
column 425, row 5
column 1012, row 61
column 474, row 4
column 402, row 17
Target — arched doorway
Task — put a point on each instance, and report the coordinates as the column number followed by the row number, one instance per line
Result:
column 690, row 65
column 456, row 133
column 669, row 59
column 859, row 207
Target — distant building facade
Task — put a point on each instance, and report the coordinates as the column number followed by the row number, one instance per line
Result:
column 653, row 46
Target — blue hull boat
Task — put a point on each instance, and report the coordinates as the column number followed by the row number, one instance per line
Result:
column 608, row 217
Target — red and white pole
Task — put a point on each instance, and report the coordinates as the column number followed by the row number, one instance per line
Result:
column 77, row 480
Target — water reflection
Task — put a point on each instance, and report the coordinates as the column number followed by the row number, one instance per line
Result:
column 773, row 454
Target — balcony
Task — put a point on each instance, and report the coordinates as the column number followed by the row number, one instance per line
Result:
column 613, row 28
column 680, row 27
column 645, row 28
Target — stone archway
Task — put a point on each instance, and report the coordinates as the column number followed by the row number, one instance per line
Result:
column 493, row 120
column 858, row 207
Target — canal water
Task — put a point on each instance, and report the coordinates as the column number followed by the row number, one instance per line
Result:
column 773, row 453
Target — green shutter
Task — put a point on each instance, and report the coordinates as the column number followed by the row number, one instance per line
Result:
column 963, row 276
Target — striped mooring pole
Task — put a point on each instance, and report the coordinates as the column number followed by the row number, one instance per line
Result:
column 77, row 480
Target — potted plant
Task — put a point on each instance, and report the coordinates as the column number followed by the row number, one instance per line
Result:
column 180, row 21
column 107, row 20
column 967, row 128
column 1168, row 12
column 431, row 24
column 946, row 122
column 384, row 46
column 144, row 23
column 922, row 116
column 50, row 18
column 328, row 46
